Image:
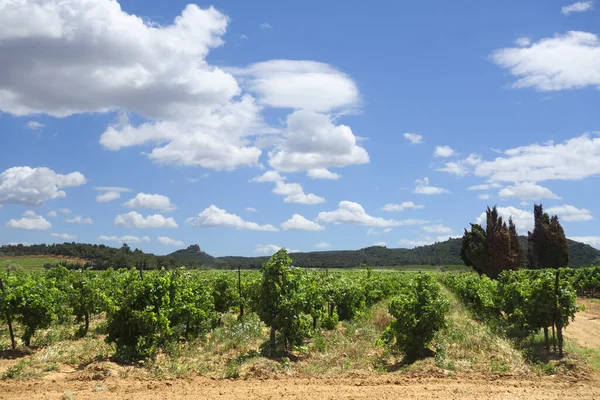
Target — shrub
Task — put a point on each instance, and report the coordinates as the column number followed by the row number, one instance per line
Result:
column 419, row 313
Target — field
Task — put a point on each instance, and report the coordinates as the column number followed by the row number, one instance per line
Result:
column 469, row 357
column 35, row 262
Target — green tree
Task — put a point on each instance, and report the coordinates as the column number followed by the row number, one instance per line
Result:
column 474, row 252
column 516, row 253
column 547, row 244
column 498, row 244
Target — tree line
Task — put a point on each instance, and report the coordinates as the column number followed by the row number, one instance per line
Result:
column 497, row 248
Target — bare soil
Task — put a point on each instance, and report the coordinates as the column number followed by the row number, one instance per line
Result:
column 390, row 386
column 586, row 327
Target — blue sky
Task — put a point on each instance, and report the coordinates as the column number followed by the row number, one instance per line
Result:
column 246, row 126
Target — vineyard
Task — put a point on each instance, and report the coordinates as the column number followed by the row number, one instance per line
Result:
column 289, row 320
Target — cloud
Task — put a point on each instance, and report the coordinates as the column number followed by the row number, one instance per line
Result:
column 63, row 236
column 103, row 59
column 413, row 138
column 593, row 241
column 402, row 206
column 570, row 213
column 111, row 189
column 299, row 223
column 353, row 213
column 574, row 159
column 250, row 209
column 65, row 211
column 34, row 125
column 322, row 173
column 33, row 186
column 405, row 243
column 424, row 188
column 483, row 196
column 271, row 249
column 580, row 6
column 523, row 41
column 454, row 168
column 443, row 151
column 539, row 67
column 30, row 221
column 134, row 219
column 485, row 186
column 527, row 191
column 323, row 245
column 52, row 214
column 80, row 220
column 124, row 239
column 167, row 241
column 217, row 217
column 377, row 232
column 108, row 197
column 312, row 141
column 299, row 85
column 294, row 193
column 380, row 244
column 151, row 201
column 265, row 25
column 438, row 228
column 522, row 219
column 269, row 176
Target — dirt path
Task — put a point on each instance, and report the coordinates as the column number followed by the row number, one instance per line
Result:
column 586, row 327
column 378, row 387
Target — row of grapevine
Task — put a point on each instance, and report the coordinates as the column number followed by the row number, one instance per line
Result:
column 146, row 310
column 522, row 302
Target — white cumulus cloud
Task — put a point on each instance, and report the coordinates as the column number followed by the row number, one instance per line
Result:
column 570, row 213
column 52, row 214
column 580, row 6
column 567, row 61
column 134, row 219
column 214, row 216
column 322, row 173
column 323, row 245
column 413, row 138
column 124, row 239
column 438, row 228
column 151, row 201
column 30, row 221
column 574, row 159
column 33, row 186
column 402, row 206
column 349, row 212
column 527, row 191
column 34, row 125
column 423, row 187
column 107, row 197
column 80, row 220
column 443, row 151
column 167, row 241
column 299, row 223
column 63, row 236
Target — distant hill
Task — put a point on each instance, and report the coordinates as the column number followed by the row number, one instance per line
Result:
column 193, row 253
column 441, row 253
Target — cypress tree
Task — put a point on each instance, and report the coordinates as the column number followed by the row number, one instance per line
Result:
column 547, row 244
column 558, row 249
column 515, row 247
column 498, row 244
column 474, row 251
